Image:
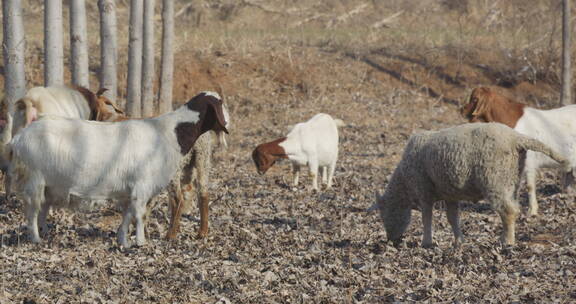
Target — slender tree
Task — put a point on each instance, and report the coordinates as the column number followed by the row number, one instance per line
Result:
column 148, row 60
column 79, row 43
column 133, row 98
column 13, row 51
column 53, row 50
column 566, row 95
column 108, row 48
column 167, row 63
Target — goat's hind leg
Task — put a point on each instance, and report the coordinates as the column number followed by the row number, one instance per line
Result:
column 32, row 208
column 33, row 200
column 139, row 211
column 123, row 229
column 296, row 173
column 330, row 177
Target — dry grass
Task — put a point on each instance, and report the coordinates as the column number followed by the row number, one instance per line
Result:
column 279, row 62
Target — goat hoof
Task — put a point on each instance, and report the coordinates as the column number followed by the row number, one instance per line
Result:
column 202, row 234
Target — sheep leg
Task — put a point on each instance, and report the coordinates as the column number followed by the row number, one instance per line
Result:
column 568, row 182
column 124, row 226
column 325, row 175
column 7, row 184
column 44, row 210
column 296, row 172
column 427, row 222
column 508, row 212
column 176, row 203
column 531, row 185
column 453, row 214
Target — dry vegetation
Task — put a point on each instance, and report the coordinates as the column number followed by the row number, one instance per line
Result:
column 387, row 68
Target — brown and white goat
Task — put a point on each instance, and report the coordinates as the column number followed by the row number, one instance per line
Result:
column 313, row 143
column 63, row 101
column 556, row 128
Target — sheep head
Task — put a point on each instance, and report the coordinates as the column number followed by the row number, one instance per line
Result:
column 395, row 214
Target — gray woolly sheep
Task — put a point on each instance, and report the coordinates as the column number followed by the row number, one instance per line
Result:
column 467, row 162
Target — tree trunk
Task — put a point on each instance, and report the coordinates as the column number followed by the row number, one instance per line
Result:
column 133, row 98
column 53, row 50
column 566, row 95
column 79, row 43
column 167, row 63
column 148, row 60
column 13, row 52
column 108, row 49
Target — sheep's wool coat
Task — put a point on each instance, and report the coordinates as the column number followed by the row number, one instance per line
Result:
column 467, row 162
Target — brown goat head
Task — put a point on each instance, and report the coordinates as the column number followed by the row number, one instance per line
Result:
column 485, row 105
column 265, row 155
column 477, row 106
column 106, row 110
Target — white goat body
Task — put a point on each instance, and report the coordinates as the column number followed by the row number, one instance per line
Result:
column 130, row 161
column 63, row 101
column 555, row 128
column 313, row 143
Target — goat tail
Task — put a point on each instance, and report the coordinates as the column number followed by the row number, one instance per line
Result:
column 339, row 122
column 527, row 143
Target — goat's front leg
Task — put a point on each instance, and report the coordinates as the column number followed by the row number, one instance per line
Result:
column 325, row 175
column 296, row 172
column 203, row 205
column 176, row 202
column 427, row 209
column 125, row 225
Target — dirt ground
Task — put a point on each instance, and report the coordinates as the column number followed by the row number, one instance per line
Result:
column 270, row 243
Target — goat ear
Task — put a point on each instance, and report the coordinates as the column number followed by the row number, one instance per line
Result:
column 113, row 105
column 101, row 91
column 216, row 106
column 483, row 97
